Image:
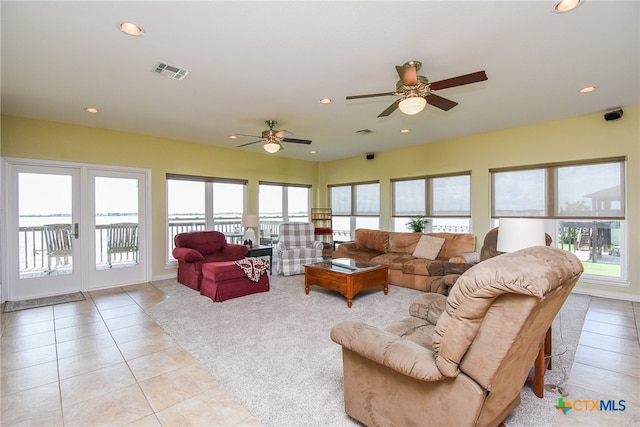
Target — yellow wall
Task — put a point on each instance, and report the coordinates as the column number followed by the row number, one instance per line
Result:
column 34, row 139
column 584, row 137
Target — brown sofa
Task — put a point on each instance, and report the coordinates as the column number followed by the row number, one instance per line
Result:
column 395, row 250
column 459, row 360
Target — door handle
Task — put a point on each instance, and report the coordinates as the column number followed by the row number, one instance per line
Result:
column 75, row 230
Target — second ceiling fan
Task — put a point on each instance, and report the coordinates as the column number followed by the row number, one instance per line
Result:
column 416, row 91
column 273, row 138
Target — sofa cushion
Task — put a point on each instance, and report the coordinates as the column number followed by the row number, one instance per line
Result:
column 372, row 239
column 403, row 242
column 394, row 261
column 222, row 256
column 443, row 268
column 455, row 244
column 360, row 254
column 428, row 247
column 417, row 266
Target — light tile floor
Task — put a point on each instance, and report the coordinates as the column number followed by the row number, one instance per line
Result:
column 103, row 361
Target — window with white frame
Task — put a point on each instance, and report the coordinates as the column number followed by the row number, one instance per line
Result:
column 278, row 203
column 354, row 206
column 204, row 203
column 444, row 199
column 582, row 202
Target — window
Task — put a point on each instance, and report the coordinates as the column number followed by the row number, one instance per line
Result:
column 204, row 203
column 445, row 200
column 281, row 203
column 354, row 206
column 583, row 202
column 519, row 193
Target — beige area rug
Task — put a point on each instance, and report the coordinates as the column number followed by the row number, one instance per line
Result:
column 42, row 302
column 273, row 352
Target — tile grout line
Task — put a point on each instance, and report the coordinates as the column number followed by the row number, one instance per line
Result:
column 124, row 359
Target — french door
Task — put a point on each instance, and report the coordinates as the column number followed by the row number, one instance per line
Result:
column 72, row 228
column 43, row 209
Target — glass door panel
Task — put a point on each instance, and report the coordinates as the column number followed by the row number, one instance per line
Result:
column 116, row 207
column 44, row 229
column 116, row 222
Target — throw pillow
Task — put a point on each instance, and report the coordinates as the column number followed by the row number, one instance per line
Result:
column 428, row 247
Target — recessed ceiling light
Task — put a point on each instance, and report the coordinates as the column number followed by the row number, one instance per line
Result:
column 91, row 110
column 567, row 5
column 588, row 89
column 233, row 136
column 325, row 101
column 312, row 152
column 405, row 131
column 131, row 29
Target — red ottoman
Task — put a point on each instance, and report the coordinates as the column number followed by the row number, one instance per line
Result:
column 225, row 280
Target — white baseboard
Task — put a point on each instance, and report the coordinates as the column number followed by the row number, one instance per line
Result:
column 606, row 294
column 164, row 277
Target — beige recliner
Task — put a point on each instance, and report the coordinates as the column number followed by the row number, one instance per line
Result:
column 459, row 360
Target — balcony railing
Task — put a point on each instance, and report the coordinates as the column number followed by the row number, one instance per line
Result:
column 33, row 250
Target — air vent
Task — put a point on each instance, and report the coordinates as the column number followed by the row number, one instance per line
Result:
column 171, row 71
column 364, row 131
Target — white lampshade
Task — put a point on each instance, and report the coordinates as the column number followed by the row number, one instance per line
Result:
column 412, row 105
column 271, row 147
column 249, row 220
column 519, row 233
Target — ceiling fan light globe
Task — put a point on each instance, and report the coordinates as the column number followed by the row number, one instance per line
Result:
column 271, row 147
column 412, row 105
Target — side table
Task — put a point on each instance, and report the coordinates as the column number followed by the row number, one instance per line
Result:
column 261, row 250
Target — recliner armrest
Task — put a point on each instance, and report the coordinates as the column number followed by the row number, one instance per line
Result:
column 347, row 246
column 316, row 244
column 382, row 347
column 428, row 307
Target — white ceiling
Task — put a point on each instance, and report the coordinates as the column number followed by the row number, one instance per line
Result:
column 254, row 61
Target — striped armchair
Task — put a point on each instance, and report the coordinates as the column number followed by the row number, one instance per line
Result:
column 297, row 247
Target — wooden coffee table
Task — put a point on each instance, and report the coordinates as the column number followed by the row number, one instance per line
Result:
column 346, row 276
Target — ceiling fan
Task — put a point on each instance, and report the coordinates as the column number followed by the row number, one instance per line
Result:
column 273, row 138
column 416, row 91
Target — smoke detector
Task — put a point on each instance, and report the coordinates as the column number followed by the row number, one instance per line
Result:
column 171, row 71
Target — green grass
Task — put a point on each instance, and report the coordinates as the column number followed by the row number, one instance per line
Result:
column 612, row 270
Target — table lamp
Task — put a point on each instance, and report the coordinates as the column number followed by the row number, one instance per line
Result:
column 519, row 233
column 249, row 221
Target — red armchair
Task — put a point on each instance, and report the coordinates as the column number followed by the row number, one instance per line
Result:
column 198, row 247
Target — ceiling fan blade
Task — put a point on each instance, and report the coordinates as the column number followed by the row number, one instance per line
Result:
column 408, row 74
column 371, row 95
column 440, row 102
column 248, row 143
column 283, row 134
column 242, row 134
column 297, row 141
column 391, row 108
column 466, row 79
